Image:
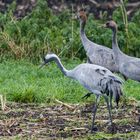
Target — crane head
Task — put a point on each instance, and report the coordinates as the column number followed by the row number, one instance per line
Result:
column 82, row 15
column 48, row 58
column 110, row 24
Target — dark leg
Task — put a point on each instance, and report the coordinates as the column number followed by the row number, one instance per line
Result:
column 125, row 78
column 110, row 100
column 88, row 61
column 94, row 113
column 87, row 95
column 124, row 101
column 109, row 109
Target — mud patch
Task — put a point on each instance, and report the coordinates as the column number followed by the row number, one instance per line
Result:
column 59, row 121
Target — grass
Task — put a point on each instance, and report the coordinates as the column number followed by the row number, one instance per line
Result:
column 103, row 136
column 22, row 81
column 99, row 136
column 132, row 89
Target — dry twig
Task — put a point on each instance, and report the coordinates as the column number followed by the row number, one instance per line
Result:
column 64, row 104
column 3, row 102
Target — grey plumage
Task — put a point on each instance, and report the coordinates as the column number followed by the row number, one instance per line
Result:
column 97, row 54
column 128, row 66
column 96, row 79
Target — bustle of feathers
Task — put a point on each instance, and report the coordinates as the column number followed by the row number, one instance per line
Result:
column 112, row 87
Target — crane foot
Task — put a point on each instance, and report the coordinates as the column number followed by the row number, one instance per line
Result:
column 112, row 128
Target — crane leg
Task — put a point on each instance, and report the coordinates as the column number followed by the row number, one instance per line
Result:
column 109, row 109
column 125, row 78
column 110, row 100
column 94, row 113
column 87, row 95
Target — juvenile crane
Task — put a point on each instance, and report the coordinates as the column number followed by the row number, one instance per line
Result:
column 96, row 79
column 128, row 66
column 97, row 54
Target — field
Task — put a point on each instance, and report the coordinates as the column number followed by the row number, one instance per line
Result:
column 50, row 105
column 43, row 103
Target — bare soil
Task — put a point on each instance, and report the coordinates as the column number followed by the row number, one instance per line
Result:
column 58, row 121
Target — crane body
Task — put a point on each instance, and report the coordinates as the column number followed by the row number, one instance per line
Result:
column 128, row 66
column 97, row 54
column 96, row 79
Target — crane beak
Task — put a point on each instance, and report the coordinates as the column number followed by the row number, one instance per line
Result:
column 74, row 17
column 42, row 65
column 104, row 26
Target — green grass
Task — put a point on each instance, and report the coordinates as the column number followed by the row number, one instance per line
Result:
column 103, row 136
column 22, row 81
column 132, row 89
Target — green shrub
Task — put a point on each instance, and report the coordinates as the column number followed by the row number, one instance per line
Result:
column 42, row 31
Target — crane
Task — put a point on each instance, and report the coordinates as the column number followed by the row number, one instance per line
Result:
column 96, row 79
column 128, row 66
column 97, row 54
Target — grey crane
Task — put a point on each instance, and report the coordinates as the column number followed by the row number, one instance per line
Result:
column 96, row 79
column 97, row 54
column 128, row 66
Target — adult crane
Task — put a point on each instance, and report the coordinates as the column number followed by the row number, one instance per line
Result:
column 128, row 66
column 96, row 79
column 97, row 54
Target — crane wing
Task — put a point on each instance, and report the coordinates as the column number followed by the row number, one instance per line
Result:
column 102, row 56
column 98, row 80
column 132, row 67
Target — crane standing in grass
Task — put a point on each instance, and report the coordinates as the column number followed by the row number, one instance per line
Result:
column 97, row 54
column 128, row 66
column 96, row 79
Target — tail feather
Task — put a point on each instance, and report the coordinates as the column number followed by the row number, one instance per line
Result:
column 116, row 94
column 112, row 86
column 116, row 90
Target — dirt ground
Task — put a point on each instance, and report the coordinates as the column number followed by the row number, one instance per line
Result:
column 60, row 121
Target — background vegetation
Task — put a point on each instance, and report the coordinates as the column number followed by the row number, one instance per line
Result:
column 22, row 44
column 42, row 31
column 22, row 81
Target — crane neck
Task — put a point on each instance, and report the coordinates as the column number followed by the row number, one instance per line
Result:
column 83, row 36
column 61, row 67
column 82, row 26
column 115, row 46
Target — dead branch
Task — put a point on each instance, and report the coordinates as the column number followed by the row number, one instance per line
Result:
column 134, row 5
column 94, row 2
column 64, row 104
column 115, row 120
column 3, row 102
column 75, row 129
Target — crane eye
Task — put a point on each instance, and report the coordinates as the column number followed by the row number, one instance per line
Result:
column 43, row 58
